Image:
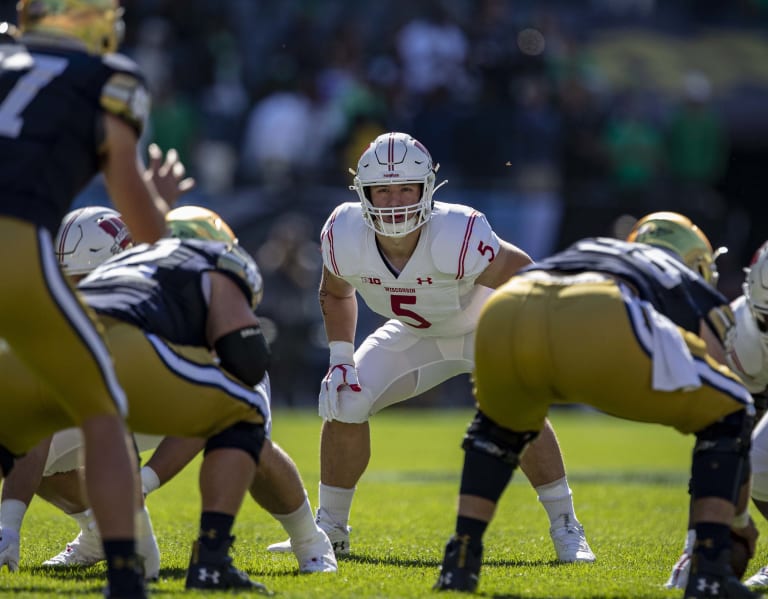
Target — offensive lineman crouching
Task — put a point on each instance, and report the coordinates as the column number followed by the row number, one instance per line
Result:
column 654, row 353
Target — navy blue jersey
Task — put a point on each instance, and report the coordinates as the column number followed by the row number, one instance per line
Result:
column 52, row 105
column 160, row 288
column 657, row 275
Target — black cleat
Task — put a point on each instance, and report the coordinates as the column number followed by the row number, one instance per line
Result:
column 212, row 570
column 714, row 579
column 461, row 566
column 126, row 579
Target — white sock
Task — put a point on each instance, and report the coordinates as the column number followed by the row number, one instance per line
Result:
column 149, row 480
column 299, row 524
column 85, row 520
column 336, row 502
column 12, row 513
column 557, row 499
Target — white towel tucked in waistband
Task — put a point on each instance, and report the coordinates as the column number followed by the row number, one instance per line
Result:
column 673, row 365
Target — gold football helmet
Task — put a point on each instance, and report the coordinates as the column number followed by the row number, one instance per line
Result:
column 196, row 222
column 96, row 23
column 678, row 234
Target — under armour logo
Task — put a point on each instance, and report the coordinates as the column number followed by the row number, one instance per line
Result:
column 209, row 534
column 204, row 575
column 421, row 281
column 709, row 588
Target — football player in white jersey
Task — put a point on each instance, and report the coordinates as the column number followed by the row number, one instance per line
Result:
column 428, row 266
column 747, row 355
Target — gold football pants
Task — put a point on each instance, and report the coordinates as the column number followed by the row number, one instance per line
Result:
column 171, row 390
column 55, row 340
column 543, row 340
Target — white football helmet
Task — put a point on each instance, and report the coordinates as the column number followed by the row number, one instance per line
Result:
column 89, row 236
column 755, row 287
column 392, row 159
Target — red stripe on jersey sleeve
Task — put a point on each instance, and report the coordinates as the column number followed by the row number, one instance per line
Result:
column 331, row 249
column 465, row 245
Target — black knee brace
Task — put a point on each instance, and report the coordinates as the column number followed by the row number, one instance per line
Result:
column 485, row 476
column 721, row 457
column 6, row 461
column 485, row 436
column 245, row 354
column 247, row 436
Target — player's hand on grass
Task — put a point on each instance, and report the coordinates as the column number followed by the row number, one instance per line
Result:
column 9, row 550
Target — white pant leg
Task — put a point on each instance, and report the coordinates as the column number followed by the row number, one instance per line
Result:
column 393, row 365
column 65, row 453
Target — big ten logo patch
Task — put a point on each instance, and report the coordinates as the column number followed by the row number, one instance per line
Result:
column 371, row 280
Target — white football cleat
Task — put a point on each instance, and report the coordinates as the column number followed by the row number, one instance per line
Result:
column 147, row 548
column 316, row 555
column 85, row 550
column 759, row 579
column 146, row 545
column 337, row 534
column 570, row 542
column 678, row 579
column 281, row 547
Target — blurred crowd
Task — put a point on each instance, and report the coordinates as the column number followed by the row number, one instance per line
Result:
column 559, row 119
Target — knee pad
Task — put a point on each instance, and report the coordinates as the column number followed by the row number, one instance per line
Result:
column 487, row 437
column 246, row 436
column 721, row 457
column 6, row 461
column 354, row 408
column 245, row 354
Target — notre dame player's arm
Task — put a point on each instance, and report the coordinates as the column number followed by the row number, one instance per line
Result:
column 234, row 331
column 141, row 207
column 125, row 105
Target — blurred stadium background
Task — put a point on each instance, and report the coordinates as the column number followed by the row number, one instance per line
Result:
column 558, row 119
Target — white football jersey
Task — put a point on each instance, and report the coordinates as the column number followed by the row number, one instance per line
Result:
column 435, row 294
column 746, row 350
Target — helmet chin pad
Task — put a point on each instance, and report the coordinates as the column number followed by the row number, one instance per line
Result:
column 398, row 229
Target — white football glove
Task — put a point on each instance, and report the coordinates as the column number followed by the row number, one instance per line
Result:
column 9, row 549
column 342, row 372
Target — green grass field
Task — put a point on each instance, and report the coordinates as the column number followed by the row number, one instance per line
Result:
column 629, row 483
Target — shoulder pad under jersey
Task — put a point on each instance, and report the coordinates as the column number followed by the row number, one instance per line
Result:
column 125, row 94
column 745, row 350
column 463, row 242
column 236, row 262
column 341, row 239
